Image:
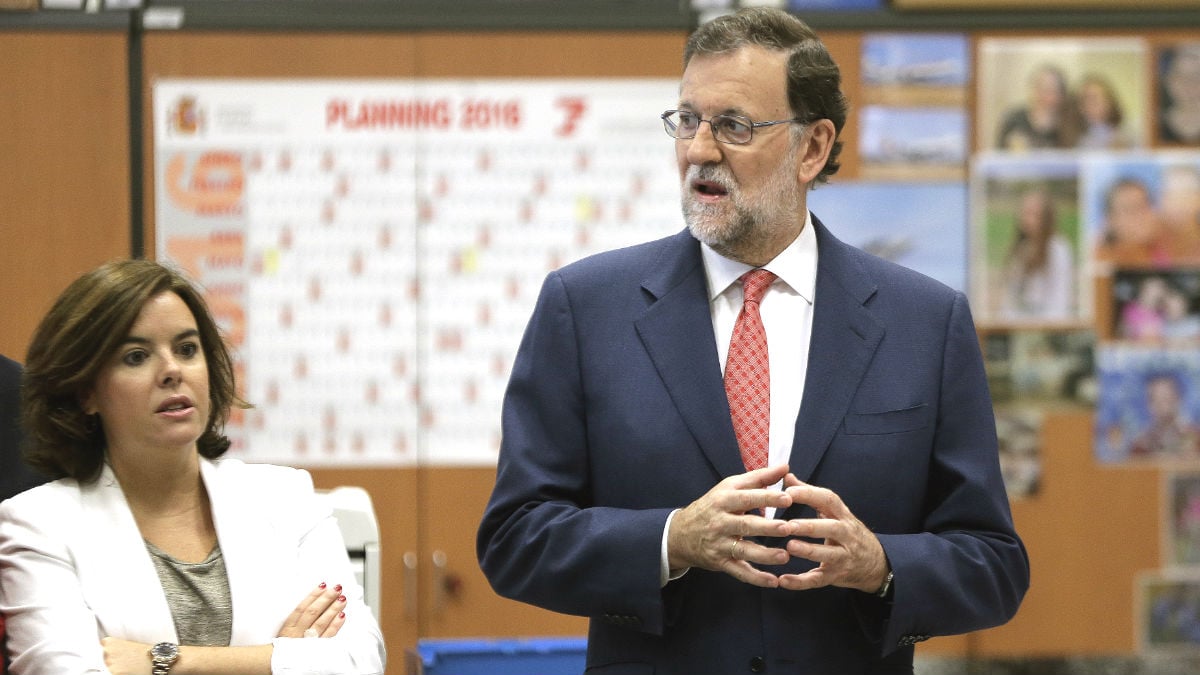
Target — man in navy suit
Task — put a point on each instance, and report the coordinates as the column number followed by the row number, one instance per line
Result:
column 15, row 475
column 875, row 516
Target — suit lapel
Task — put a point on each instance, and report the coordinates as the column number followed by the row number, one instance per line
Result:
column 117, row 575
column 250, row 554
column 678, row 335
column 844, row 338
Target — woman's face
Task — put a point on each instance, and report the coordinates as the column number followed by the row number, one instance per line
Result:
column 1047, row 90
column 1094, row 103
column 1033, row 213
column 153, row 393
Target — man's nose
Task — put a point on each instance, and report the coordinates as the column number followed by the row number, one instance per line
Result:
column 704, row 148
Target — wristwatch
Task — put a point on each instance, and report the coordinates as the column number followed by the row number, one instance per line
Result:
column 887, row 585
column 163, row 655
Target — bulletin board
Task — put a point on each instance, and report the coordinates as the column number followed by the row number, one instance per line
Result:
column 374, row 248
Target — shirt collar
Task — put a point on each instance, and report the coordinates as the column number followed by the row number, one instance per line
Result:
column 795, row 265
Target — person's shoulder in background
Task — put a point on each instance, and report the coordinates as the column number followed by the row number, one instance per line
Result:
column 15, row 475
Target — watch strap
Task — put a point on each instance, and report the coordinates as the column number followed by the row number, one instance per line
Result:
column 887, row 585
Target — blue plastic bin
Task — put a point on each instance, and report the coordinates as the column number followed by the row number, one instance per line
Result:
column 514, row 656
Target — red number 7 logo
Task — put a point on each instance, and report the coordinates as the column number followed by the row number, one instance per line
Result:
column 573, row 107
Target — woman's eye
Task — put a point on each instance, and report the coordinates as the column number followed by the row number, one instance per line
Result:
column 134, row 358
column 189, row 349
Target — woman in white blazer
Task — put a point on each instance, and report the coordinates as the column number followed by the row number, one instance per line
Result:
column 151, row 554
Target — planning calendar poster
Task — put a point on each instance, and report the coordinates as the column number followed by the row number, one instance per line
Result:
column 373, row 248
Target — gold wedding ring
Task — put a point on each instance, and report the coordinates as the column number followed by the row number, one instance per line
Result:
column 733, row 547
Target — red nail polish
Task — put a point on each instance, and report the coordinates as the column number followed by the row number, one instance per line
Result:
column 321, row 585
column 341, row 615
column 338, row 588
column 341, row 598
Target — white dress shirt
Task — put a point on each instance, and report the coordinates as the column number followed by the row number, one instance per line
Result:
column 787, row 312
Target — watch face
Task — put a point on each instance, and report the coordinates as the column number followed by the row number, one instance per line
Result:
column 164, row 651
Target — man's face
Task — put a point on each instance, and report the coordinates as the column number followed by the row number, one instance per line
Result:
column 733, row 194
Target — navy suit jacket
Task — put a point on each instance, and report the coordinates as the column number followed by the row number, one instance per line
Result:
column 15, row 475
column 616, row 414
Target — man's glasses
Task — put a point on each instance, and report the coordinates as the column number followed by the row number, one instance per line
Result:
column 732, row 129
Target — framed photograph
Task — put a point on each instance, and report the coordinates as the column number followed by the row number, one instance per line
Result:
column 1026, row 241
column 1047, row 369
column 913, row 120
column 1148, row 405
column 1157, row 307
column 1142, row 209
column 914, row 70
column 1019, row 432
column 1181, row 518
column 1168, row 611
column 912, row 143
column 1179, row 94
column 918, row 225
column 1061, row 94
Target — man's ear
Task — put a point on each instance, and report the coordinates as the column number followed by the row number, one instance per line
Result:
column 815, row 147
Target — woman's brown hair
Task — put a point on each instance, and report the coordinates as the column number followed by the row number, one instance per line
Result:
column 82, row 330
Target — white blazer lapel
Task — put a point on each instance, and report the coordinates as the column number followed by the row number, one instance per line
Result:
column 255, row 555
column 115, row 570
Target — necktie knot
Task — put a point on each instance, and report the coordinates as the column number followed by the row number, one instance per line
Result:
column 755, row 284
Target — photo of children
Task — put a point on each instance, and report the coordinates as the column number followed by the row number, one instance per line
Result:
column 1182, row 518
column 1061, row 94
column 1179, row 94
column 1026, row 239
column 1101, row 115
column 1159, row 308
column 1148, row 405
column 1142, row 210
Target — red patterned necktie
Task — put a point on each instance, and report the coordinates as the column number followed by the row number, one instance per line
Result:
column 748, row 375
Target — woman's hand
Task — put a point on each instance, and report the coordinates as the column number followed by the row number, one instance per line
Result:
column 321, row 614
column 125, row 657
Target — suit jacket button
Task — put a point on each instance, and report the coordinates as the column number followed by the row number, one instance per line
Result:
column 758, row 665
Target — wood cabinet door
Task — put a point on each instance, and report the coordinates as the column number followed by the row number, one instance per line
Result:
column 456, row 599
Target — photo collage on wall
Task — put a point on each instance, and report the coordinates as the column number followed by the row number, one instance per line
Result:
column 1085, row 200
column 1085, row 273
column 909, row 204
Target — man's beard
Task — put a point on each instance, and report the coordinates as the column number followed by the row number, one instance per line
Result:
column 729, row 226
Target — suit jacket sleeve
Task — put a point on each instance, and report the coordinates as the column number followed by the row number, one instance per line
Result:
column 965, row 569
column 541, row 540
